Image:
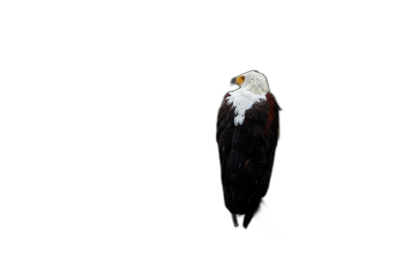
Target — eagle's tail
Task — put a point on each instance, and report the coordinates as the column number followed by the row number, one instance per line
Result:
column 248, row 217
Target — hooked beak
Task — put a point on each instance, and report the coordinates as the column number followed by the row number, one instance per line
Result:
column 233, row 81
column 238, row 80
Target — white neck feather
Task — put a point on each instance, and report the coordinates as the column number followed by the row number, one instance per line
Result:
column 242, row 100
column 252, row 90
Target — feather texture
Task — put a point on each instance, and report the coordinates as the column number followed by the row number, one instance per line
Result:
column 247, row 152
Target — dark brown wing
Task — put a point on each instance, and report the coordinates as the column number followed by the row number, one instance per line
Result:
column 247, row 153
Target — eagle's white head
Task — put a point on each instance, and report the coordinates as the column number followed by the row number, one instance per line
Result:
column 253, row 81
column 253, row 89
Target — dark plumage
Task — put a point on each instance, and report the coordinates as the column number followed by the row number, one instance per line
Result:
column 247, row 154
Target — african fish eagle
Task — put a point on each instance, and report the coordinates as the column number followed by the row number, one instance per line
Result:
column 247, row 136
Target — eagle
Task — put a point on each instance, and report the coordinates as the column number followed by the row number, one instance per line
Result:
column 247, row 136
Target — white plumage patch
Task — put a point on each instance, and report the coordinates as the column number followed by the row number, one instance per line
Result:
column 242, row 100
column 252, row 90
